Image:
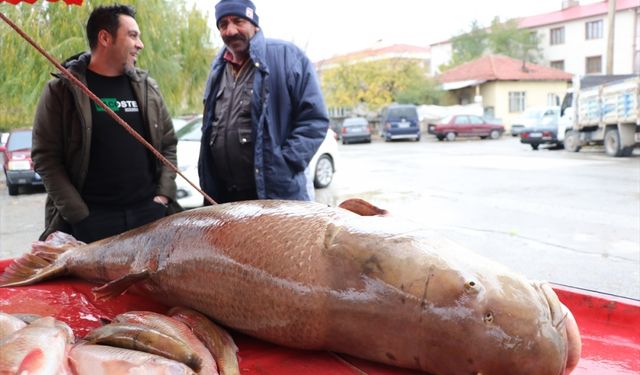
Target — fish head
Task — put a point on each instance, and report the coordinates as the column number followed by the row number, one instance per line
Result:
column 521, row 323
column 474, row 315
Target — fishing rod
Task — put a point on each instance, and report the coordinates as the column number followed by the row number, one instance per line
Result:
column 108, row 110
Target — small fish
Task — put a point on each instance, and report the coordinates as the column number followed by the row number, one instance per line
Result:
column 217, row 340
column 40, row 348
column 28, row 318
column 88, row 359
column 174, row 328
column 145, row 339
column 9, row 324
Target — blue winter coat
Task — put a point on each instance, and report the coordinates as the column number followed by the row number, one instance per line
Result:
column 289, row 119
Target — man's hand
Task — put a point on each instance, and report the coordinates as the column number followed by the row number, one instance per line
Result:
column 161, row 199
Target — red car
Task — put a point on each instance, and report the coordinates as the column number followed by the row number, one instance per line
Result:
column 17, row 164
column 454, row 126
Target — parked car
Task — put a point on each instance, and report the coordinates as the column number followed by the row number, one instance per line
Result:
column 3, row 141
column 400, row 121
column 545, row 132
column 323, row 164
column 182, row 121
column 355, row 129
column 454, row 126
column 17, row 164
column 335, row 126
column 532, row 117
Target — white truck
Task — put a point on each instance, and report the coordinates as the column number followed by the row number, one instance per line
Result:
column 602, row 110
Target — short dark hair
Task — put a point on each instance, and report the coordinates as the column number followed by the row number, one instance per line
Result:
column 106, row 18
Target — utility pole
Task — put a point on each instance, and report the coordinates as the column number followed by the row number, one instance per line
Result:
column 611, row 21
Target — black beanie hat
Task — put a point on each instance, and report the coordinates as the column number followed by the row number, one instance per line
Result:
column 240, row 8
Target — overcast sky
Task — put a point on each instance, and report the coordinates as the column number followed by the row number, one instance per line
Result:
column 324, row 28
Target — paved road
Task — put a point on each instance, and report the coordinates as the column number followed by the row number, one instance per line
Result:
column 568, row 218
column 550, row 214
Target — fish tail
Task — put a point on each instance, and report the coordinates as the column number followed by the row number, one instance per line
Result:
column 39, row 264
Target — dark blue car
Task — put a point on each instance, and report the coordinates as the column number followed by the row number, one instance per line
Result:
column 400, row 121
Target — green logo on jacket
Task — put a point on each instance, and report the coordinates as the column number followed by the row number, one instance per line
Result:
column 112, row 103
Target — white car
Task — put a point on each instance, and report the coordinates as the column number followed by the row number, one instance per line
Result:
column 323, row 163
column 532, row 117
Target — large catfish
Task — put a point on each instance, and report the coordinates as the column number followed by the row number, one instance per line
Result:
column 308, row 276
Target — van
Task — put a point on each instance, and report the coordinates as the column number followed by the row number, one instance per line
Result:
column 400, row 121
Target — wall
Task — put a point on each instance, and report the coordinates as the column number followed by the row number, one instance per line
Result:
column 497, row 94
column 440, row 54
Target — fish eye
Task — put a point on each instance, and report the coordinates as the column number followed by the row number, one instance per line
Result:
column 471, row 286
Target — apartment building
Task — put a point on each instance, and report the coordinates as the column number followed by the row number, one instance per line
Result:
column 574, row 39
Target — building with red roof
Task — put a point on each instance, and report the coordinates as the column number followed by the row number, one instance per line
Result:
column 574, row 38
column 504, row 86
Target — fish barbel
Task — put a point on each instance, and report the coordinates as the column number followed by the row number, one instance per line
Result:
column 304, row 275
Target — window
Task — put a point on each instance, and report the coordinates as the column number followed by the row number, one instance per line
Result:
column 557, row 36
column 516, row 101
column 593, row 30
column 558, row 64
column 462, row 120
column 594, row 65
column 553, row 99
column 475, row 120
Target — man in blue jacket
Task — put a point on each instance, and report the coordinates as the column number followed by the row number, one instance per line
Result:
column 264, row 116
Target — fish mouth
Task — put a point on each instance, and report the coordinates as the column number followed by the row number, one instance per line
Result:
column 556, row 313
column 558, row 317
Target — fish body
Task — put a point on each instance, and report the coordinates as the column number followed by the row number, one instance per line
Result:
column 145, row 339
column 217, row 341
column 88, row 359
column 38, row 349
column 304, row 275
column 176, row 329
column 9, row 324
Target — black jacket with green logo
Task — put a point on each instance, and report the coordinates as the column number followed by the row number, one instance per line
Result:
column 62, row 141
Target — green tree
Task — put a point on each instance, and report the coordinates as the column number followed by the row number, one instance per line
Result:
column 377, row 84
column 468, row 46
column 421, row 91
column 178, row 56
column 503, row 38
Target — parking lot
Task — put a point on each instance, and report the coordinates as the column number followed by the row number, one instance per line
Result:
column 570, row 218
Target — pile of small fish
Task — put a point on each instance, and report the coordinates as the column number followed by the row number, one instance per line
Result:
column 185, row 342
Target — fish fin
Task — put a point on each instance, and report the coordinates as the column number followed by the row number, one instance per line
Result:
column 362, row 207
column 39, row 264
column 120, row 285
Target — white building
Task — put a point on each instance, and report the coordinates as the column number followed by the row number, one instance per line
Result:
column 574, row 38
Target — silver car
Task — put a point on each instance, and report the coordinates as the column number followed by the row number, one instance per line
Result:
column 355, row 129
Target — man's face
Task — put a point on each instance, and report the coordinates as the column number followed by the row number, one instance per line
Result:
column 236, row 33
column 126, row 45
